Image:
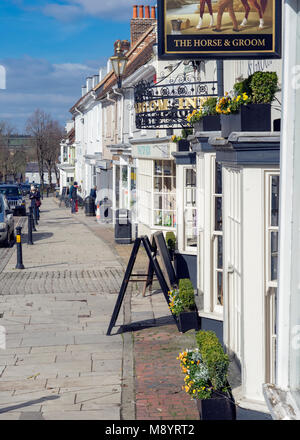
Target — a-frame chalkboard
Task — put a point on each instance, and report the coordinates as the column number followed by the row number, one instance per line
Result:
column 155, row 268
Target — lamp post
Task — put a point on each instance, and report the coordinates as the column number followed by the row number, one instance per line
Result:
column 119, row 61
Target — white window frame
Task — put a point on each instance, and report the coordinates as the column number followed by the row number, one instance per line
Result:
column 154, row 192
column 215, row 306
column 186, row 247
column 270, row 285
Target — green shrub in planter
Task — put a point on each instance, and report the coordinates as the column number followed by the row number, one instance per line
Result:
column 171, row 240
column 213, row 356
column 183, row 298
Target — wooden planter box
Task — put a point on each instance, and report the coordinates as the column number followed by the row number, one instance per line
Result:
column 208, row 123
column 220, row 406
column 252, row 117
column 188, row 321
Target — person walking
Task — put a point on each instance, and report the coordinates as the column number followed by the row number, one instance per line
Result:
column 73, row 197
column 93, row 192
column 210, row 10
column 222, row 5
column 35, row 201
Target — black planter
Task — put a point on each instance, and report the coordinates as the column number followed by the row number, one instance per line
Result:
column 251, row 117
column 220, row 406
column 188, row 321
column 183, row 145
column 208, row 123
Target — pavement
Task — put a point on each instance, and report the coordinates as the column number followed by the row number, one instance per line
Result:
column 59, row 364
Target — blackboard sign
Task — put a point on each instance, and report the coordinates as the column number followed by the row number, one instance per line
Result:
column 165, row 259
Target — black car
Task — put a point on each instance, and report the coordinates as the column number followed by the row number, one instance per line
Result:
column 6, row 223
column 15, row 198
column 25, row 188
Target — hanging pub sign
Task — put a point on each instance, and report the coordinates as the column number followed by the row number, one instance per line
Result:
column 225, row 29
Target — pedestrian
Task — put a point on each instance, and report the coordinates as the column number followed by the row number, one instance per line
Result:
column 73, row 197
column 35, row 201
column 222, row 5
column 93, row 192
column 210, row 10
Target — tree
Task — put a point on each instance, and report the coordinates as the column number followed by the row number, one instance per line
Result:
column 47, row 134
column 6, row 131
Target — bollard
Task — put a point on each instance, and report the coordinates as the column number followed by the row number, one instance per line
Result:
column 29, row 238
column 32, row 218
column 35, row 215
column 19, row 248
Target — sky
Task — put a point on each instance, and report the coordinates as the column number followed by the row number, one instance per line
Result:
column 48, row 48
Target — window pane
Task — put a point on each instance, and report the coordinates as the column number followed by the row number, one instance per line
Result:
column 190, row 178
column 157, row 184
column 190, row 197
column 218, row 213
column 220, row 252
column 191, row 227
column 275, row 201
column 167, row 168
column 158, row 218
column 274, row 255
column 220, row 288
column 157, row 202
column 157, row 167
column 218, row 178
column 168, row 219
column 167, row 184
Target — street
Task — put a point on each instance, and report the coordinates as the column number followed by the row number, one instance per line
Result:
column 56, row 312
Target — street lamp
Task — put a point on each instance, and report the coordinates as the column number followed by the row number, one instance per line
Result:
column 119, row 61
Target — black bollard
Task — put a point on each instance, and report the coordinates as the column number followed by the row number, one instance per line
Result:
column 29, row 238
column 19, row 248
column 32, row 218
column 35, row 215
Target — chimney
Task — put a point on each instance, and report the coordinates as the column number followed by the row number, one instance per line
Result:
column 89, row 83
column 95, row 80
column 83, row 90
column 140, row 23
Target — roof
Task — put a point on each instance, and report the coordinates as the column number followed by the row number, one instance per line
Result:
column 139, row 54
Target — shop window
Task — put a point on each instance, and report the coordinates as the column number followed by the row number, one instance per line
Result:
column 190, row 210
column 164, row 194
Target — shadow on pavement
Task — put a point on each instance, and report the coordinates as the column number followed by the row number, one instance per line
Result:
column 26, row 404
column 147, row 323
column 37, row 236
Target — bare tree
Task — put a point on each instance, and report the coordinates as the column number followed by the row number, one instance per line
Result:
column 36, row 126
column 55, row 133
column 5, row 155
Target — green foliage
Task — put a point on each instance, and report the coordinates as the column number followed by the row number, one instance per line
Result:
column 261, row 87
column 214, row 358
column 183, row 298
column 171, row 240
column 209, row 107
column 185, row 132
column 264, row 86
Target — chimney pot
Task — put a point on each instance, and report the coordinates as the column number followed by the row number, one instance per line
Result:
column 153, row 12
column 141, row 11
column 147, row 11
column 135, row 13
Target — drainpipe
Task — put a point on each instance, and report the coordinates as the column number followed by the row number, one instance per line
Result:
column 220, row 77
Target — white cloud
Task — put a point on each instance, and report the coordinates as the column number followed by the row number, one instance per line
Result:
column 113, row 9
column 37, row 83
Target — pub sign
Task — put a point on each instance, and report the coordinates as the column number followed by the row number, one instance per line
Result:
column 225, row 29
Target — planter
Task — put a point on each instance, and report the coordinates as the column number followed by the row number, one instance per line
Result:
column 188, row 321
column 208, row 123
column 252, row 117
column 183, row 145
column 220, row 406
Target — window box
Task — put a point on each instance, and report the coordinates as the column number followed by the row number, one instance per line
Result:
column 251, row 117
column 208, row 123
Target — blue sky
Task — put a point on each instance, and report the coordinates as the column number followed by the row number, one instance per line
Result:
column 48, row 48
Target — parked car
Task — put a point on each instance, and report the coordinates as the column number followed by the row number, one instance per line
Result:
column 15, row 198
column 7, row 225
column 25, row 188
